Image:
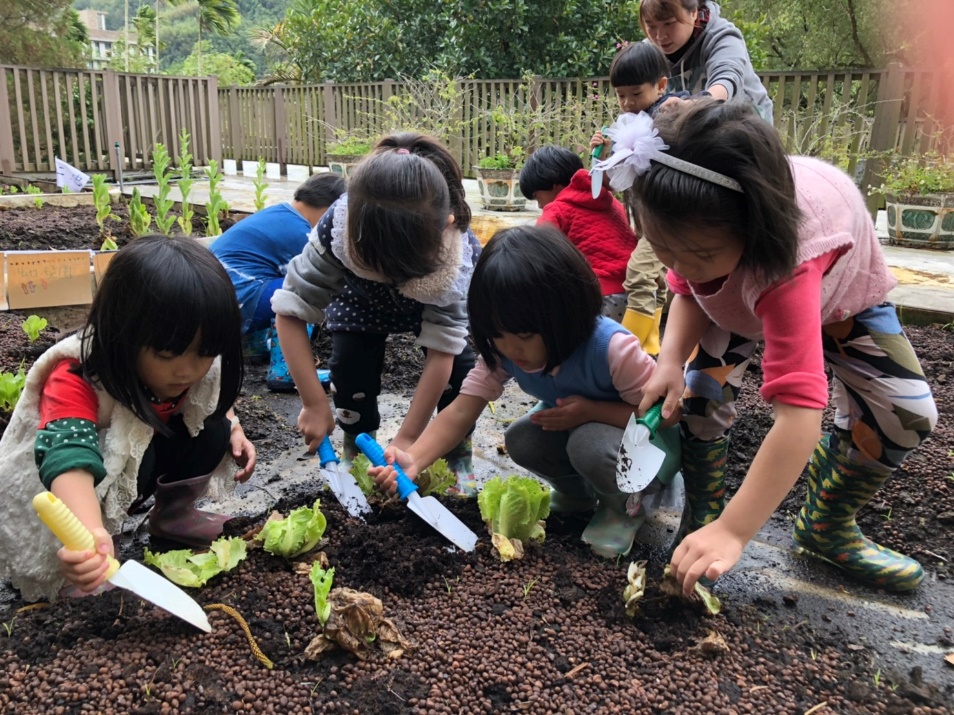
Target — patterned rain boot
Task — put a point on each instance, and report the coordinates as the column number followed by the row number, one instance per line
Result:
column 703, row 471
column 255, row 347
column 349, row 450
column 460, row 460
column 826, row 528
column 612, row 529
column 174, row 516
column 279, row 378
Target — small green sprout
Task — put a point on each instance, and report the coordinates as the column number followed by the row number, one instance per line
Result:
column 33, row 326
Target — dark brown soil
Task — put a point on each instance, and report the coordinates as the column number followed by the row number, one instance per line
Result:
column 545, row 635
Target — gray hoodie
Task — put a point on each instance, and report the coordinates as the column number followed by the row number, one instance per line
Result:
column 719, row 56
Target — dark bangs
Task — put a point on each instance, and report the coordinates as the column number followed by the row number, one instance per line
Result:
column 531, row 279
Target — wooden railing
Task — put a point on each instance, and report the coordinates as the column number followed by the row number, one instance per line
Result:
column 80, row 115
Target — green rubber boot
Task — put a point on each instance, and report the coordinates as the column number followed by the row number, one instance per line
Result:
column 826, row 528
column 703, row 471
column 460, row 460
column 570, row 495
column 612, row 530
column 349, row 449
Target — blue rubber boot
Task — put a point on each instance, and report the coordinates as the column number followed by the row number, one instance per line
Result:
column 278, row 379
column 255, row 347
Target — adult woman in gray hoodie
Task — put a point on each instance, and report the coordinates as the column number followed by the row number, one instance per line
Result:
column 706, row 51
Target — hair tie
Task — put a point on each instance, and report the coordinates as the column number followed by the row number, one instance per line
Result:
column 636, row 144
column 403, row 151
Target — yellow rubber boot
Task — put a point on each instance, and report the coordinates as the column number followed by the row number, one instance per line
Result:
column 644, row 327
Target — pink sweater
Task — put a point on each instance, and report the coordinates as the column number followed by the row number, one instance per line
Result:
column 841, row 272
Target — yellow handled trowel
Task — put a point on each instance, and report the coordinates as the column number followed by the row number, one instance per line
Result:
column 131, row 576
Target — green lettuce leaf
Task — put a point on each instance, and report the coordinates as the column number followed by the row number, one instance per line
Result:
column 296, row 534
column 359, row 470
column 192, row 570
column 321, row 579
column 515, row 508
column 436, row 479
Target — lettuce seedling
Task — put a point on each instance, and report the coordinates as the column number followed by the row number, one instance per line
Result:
column 700, row 595
column 635, row 587
column 33, row 326
column 514, row 511
column 11, row 387
column 436, row 479
column 322, row 579
column 296, row 534
column 192, row 570
column 359, row 470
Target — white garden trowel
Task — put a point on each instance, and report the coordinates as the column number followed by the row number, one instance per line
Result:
column 639, row 460
column 343, row 486
column 428, row 508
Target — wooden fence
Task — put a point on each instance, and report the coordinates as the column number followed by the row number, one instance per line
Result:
column 80, row 115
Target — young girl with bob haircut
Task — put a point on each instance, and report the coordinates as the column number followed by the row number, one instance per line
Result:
column 138, row 403
column 535, row 316
column 393, row 255
column 766, row 248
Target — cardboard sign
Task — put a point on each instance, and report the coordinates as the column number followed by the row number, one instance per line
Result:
column 3, row 284
column 101, row 259
column 44, row 279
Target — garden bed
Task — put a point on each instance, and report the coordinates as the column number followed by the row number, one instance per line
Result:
column 544, row 635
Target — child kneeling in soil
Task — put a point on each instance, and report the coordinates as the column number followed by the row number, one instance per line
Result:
column 534, row 306
column 393, row 255
column 139, row 402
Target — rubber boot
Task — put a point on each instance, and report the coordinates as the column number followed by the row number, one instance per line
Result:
column 460, row 460
column 255, row 347
column 570, row 495
column 174, row 516
column 703, row 472
column 350, row 450
column 279, row 378
column 612, row 530
column 644, row 327
column 826, row 528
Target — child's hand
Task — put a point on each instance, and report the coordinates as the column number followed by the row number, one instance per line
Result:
column 243, row 452
column 569, row 413
column 315, row 423
column 87, row 569
column 598, row 139
column 709, row 552
column 667, row 383
column 386, row 477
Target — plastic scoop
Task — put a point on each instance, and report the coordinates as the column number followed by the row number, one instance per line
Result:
column 428, row 508
column 639, row 460
column 343, row 486
column 132, row 576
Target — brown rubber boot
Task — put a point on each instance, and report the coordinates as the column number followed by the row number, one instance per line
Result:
column 174, row 517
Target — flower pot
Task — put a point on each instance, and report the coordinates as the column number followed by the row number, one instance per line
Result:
column 921, row 220
column 500, row 189
column 341, row 164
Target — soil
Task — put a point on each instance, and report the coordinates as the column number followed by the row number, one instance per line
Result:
column 547, row 634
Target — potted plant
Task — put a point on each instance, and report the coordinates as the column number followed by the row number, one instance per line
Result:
column 498, row 175
column 346, row 151
column 919, row 198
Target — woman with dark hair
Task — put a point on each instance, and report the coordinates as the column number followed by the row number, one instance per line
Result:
column 534, row 307
column 139, row 403
column 393, row 255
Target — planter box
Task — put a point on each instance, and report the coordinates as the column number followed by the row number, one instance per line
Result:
column 500, row 189
column 341, row 164
column 921, row 221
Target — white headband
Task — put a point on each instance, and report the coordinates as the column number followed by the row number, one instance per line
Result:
column 636, row 143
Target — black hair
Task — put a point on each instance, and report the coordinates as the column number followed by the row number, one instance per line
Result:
column 547, row 167
column 159, row 293
column 638, row 63
column 398, row 206
column 732, row 139
column 664, row 9
column 431, row 148
column 531, row 279
column 320, row 190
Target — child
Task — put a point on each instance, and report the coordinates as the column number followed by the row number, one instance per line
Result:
column 555, row 178
column 705, row 51
column 256, row 252
column 138, row 403
column 639, row 76
column 761, row 246
column 393, row 255
column 535, row 315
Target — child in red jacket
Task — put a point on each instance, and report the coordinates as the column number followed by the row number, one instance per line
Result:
column 555, row 178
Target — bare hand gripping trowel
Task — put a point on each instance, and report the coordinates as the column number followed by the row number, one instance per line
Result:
column 131, row 576
column 428, row 508
column 343, row 486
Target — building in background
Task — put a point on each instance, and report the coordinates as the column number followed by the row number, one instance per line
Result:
column 102, row 40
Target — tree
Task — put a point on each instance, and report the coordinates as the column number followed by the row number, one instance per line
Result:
column 218, row 16
column 40, row 33
column 230, row 70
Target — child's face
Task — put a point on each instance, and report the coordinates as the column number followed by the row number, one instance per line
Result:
column 167, row 375
column 671, row 34
column 526, row 350
column 636, row 98
column 705, row 255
